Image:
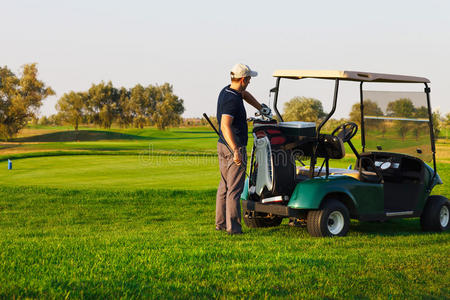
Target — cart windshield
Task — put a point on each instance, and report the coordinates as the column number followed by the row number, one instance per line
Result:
column 397, row 122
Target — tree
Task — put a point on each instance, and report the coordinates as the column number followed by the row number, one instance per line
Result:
column 20, row 98
column 401, row 108
column 437, row 123
column 168, row 106
column 447, row 119
column 125, row 113
column 44, row 121
column 55, row 119
column 446, row 123
column 371, row 108
column 422, row 127
column 332, row 124
column 72, row 107
column 140, row 105
column 422, row 113
column 103, row 104
column 303, row 109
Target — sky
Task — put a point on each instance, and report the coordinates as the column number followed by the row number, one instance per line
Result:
column 193, row 45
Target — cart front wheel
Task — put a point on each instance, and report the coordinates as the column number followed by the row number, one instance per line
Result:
column 332, row 220
column 436, row 214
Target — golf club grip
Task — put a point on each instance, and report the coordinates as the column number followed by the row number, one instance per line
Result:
column 210, row 123
column 218, row 133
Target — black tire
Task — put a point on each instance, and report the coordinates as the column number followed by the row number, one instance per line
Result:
column 332, row 220
column 435, row 215
column 258, row 220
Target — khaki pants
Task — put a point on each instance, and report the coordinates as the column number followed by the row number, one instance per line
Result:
column 228, row 202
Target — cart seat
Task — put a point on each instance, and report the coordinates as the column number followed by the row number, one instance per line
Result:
column 304, row 171
column 365, row 176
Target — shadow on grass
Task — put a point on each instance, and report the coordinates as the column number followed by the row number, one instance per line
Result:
column 7, row 146
column 198, row 132
column 81, row 135
column 96, row 135
column 393, row 227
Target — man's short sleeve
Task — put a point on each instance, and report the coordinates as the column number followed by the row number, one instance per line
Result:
column 229, row 107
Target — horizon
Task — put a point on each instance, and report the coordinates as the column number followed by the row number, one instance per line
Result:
column 194, row 45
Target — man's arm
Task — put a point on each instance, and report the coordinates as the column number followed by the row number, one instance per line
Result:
column 225, row 126
column 251, row 100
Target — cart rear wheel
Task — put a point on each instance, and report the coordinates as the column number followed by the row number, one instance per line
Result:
column 332, row 220
column 436, row 214
column 255, row 220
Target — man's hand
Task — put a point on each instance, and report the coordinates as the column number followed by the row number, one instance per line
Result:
column 237, row 156
column 265, row 110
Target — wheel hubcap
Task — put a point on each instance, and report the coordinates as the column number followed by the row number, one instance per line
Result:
column 336, row 222
column 444, row 216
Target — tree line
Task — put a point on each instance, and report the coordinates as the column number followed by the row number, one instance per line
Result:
column 398, row 109
column 311, row 110
column 102, row 104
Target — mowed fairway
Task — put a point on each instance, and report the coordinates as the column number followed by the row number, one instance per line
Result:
column 142, row 226
column 114, row 171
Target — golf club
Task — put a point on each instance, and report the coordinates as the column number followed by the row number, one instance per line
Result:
column 244, row 166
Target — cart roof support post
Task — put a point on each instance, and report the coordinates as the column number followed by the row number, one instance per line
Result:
column 275, row 100
column 427, row 91
column 363, row 132
column 330, row 114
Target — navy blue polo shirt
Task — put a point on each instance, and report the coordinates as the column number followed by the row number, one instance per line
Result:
column 230, row 102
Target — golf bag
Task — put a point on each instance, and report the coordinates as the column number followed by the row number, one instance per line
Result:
column 272, row 171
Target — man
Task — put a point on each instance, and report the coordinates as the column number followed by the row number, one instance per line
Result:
column 232, row 119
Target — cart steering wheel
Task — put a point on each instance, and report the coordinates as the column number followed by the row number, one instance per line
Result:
column 345, row 131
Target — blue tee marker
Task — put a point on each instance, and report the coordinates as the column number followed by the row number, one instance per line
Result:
column 9, row 164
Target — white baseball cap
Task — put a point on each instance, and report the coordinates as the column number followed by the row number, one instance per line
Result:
column 241, row 70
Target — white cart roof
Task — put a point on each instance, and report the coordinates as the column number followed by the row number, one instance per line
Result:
column 348, row 75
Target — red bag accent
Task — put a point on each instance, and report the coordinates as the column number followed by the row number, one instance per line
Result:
column 273, row 131
column 278, row 140
column 260, row 134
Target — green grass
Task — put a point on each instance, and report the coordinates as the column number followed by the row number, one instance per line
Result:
column 60, row 243
column 134, row 171
column 114, row 172
column 177, row 140
column 174, row 141
column 139, row 224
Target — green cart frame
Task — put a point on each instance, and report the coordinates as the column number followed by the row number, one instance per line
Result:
column 385, row 184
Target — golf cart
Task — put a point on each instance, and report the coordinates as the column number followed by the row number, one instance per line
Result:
column 390, row 178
